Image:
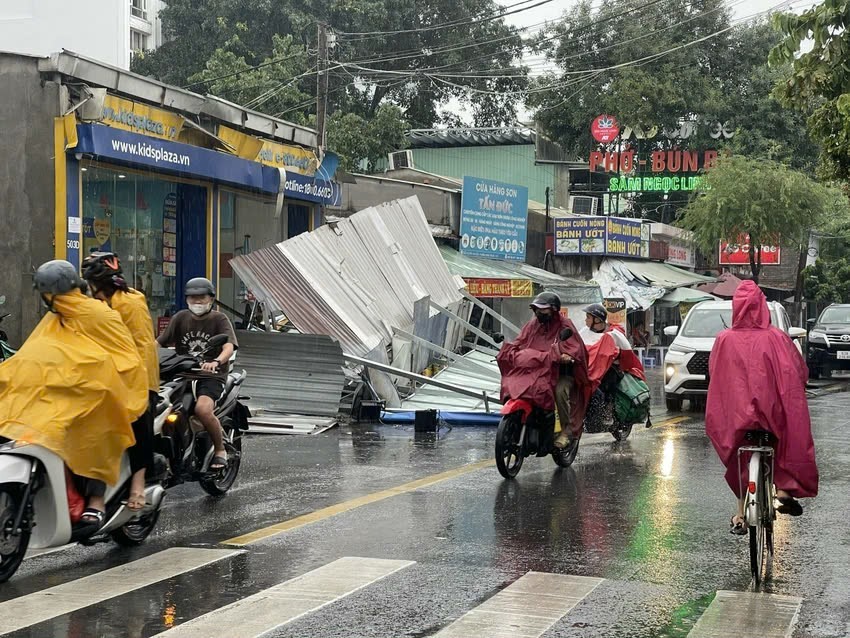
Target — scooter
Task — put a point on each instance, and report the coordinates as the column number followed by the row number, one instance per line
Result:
column 181, row 438
column 34, row 510
column 525, row 430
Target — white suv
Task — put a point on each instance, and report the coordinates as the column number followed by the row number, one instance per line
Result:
column 686, row 362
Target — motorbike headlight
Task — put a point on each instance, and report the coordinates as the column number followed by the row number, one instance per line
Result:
column 816, row 336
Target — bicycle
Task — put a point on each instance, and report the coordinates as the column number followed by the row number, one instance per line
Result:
column 760, row 494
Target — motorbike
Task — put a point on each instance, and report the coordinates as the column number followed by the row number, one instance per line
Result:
column 601, row 415
column 528, row 430
column 34, row 507
column 6, row 350
column 181, row 438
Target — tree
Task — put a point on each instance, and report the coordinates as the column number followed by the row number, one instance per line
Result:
column 765, row 200
column 357, row 141
column 416, row 54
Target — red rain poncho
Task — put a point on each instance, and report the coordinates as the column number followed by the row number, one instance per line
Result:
column 530, row 366
column 758, row 381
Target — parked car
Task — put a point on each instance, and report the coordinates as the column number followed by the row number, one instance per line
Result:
column 829, row 342
column 686, row 361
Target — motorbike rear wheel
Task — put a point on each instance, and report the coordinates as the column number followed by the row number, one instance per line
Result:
column 219, row 483
column 622, row 432
column 12, row 546
column 509, row 456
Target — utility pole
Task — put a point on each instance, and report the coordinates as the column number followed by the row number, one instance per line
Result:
column 322, row 88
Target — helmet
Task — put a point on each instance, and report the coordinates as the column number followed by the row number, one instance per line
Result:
column 101, row 267
column 547, row 300
column 200, row 286
column 597, row 310
column 57, row 277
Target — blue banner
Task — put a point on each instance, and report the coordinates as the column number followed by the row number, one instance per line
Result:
column 493, row 220
column 612, row 236
column 194, row 161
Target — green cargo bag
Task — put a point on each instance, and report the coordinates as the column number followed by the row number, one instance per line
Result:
column 631, row 400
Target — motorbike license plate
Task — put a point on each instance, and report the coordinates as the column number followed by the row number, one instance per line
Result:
column 843, row 354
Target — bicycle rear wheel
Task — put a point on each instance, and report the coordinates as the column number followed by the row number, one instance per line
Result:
column 761, row 534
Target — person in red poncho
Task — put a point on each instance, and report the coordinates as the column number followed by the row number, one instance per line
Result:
column 758, row 382
column 545, row 370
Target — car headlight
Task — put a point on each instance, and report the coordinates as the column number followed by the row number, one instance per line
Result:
column 817, row 337
column 669, row 371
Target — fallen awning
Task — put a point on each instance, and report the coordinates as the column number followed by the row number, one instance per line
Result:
column 684, row 296
column 642, row 283
column 489, row 278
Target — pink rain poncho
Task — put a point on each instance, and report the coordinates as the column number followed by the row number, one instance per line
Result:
column 758, row 381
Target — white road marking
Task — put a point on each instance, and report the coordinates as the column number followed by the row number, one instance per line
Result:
column 278, row 605
column 37, row 607
column 525, row 609
column 734, row 613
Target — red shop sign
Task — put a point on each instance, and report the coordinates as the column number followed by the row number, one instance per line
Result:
column 738, row 254
column 604, row 129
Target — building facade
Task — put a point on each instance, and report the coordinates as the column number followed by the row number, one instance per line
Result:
column 105, row 30
column 174, row 182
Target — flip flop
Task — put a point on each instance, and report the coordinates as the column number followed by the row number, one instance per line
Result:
column 739, row 528
column 218, row 463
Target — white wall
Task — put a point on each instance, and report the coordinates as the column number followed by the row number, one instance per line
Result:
column 98, row 29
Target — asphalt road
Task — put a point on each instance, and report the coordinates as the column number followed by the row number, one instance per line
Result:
column 631, row 542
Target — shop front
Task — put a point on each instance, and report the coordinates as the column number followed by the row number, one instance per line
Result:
column 173, row 210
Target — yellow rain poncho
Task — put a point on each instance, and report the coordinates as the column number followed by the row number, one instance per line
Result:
column 75, row 387
column 136, row 316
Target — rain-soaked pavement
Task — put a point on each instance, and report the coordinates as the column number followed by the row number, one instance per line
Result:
column 647, row 517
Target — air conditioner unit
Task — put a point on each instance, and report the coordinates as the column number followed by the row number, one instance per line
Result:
column 401, row 159
column 584, row 205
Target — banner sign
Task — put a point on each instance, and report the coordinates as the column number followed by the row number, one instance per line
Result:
column 493, row 219
column 680, row 253
column 499, row 287
column 294, row 159
column 738, row 254
column 141, row 118
column 616, row 307
column 612, row 236
column 660, row 171
column 604, row 129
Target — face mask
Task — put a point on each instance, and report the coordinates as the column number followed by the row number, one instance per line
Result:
column 543, row 318
column 200, row 309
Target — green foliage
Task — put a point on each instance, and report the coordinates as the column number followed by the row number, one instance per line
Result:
column 356, row 140
column 820, row 78
column 766, row 200
column 827, row 281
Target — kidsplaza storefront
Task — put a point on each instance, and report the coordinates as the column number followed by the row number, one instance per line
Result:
column 173, row 210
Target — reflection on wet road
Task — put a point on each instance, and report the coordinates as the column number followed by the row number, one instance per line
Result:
column 373, row 531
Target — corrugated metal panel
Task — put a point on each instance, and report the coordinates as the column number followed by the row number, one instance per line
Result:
column 485, row 377
column 357, row 279
column 419, row 138
column 292, row 373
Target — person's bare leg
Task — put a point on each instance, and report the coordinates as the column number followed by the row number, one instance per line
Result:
column 137, row 491
column 205, row 411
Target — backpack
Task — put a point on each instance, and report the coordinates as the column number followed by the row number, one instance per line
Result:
column 631, row 400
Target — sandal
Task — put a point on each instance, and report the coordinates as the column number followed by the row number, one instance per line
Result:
column 91, row 518
column 739, row 527
column 136, row 502
column 790, row 506
column 218, row 463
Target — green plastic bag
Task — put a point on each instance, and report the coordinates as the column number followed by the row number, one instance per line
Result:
column 631, row 400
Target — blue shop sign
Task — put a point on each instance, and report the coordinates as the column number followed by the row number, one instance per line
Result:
column 493, row 219
column 184, row 159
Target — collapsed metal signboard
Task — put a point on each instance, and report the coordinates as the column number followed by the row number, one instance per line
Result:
column 611, row 236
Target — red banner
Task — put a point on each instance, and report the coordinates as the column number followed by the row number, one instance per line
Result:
column 738, row 254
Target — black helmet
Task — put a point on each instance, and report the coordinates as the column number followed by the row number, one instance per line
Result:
column 547, row 300
column 200, row 286
column 597, row 310
column 57, row 277
column 103, row 267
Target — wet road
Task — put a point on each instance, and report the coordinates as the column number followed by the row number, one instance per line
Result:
column 630, row 542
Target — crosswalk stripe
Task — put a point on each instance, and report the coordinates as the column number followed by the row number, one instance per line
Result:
column 271, row 608
column 732, row 613
column 525, row 609
column 37, row 607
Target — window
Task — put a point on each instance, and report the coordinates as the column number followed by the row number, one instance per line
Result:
column 139, row 9
column 138, row 41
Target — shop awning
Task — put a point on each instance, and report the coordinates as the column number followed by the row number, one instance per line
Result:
column 490, row 278
column 684, row 296
column 642, row 283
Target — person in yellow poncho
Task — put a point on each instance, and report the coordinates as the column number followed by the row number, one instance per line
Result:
column 76, row 384
column 102, row 271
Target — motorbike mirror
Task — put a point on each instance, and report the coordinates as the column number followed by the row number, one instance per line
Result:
column 498, row 337
column 566, row 333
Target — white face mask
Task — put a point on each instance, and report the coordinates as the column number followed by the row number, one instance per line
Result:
column 200, row 309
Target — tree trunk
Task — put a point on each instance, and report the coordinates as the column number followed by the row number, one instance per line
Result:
column 377, row 97
column 755, row 264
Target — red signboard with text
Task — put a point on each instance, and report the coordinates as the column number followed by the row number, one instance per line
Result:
column 738, row 254
column 498, row 287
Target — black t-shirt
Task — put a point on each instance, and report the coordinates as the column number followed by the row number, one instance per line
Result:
column 190, row 334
